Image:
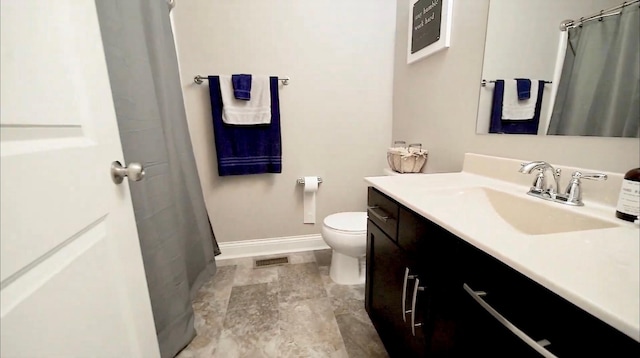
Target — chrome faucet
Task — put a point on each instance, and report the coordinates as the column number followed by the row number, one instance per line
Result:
column 540, row 184
column 543, row 189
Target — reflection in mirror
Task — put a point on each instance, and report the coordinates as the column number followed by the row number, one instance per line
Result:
column 524, row 41
column 599, row 88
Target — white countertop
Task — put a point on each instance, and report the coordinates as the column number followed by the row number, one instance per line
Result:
column 597, row 270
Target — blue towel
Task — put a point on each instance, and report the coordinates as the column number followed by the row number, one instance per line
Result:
column 241, row 86
column 498, row 125
column 246, row 149
column 524, row 88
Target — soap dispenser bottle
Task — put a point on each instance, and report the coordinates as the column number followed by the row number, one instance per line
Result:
column 629, row 200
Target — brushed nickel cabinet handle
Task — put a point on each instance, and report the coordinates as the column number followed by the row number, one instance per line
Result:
column 414, row 300
column 537, row 346
column 382, row 217
column 404, row 293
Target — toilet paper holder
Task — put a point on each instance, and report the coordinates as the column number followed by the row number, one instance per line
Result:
column 301, row 180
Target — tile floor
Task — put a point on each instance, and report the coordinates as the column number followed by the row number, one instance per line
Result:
column 293, row 310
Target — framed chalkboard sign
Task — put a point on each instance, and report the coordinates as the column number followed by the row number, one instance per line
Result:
column 429, row 28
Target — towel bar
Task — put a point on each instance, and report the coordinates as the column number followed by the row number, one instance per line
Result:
column 484, row 82
column 301, row 180
column 199, row 79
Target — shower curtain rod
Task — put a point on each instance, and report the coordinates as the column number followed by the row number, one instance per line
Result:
column 567, row 24
column 285, row 80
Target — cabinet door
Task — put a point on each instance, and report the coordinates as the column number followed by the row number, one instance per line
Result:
column 432, row 252
column 386, row 266
column 384, row 288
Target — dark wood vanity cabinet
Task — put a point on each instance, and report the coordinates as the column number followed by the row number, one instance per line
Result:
column 385, row 287
column 464, row 296
column 409, row 281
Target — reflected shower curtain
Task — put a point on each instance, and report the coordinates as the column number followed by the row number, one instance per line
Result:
column 177, row 242
column 599, row 90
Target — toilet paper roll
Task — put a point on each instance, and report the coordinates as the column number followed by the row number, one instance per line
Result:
column 310, row 184
column 309, row 200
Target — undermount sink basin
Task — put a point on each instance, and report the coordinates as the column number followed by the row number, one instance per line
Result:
column 531, row 217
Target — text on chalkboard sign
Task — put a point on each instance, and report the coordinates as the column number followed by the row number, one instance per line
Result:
column 427, row 15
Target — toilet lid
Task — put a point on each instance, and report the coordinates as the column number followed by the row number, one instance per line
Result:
column 348, row 221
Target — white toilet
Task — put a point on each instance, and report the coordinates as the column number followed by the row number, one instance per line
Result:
column 346, row 234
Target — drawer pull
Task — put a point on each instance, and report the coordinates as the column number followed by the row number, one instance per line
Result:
column 537, row 346
column 414, row 300
column 543, row 342
column 404, row 293
column 382, row 217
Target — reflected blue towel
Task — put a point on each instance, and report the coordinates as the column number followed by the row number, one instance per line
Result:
column 246, row 149
column 498, row 125
column 241, row 86
column 524, row 88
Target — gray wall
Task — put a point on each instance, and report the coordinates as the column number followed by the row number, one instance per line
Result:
column 435, row 102
column 336, row 111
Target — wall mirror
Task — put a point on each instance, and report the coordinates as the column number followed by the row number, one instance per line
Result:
column 524, row 41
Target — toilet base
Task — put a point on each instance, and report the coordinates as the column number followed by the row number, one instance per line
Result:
column 346, row 270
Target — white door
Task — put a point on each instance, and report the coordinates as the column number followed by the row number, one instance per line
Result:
column 72, row 280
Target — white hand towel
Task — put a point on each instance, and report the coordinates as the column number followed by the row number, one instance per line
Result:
column 255, row 111
column 518, row 110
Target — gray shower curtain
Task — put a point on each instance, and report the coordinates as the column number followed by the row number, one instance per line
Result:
column 599, row 90
column 177, row 242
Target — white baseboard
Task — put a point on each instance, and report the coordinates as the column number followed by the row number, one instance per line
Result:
column 270, row 246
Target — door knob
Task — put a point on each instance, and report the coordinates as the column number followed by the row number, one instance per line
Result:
column 134, row 171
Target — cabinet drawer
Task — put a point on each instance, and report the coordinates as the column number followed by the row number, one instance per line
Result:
column 542, row 314
column 383, row 211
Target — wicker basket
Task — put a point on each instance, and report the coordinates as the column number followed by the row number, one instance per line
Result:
column 407, row 160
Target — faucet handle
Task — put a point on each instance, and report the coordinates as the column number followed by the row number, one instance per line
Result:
column 573, row 193
column 590, row 176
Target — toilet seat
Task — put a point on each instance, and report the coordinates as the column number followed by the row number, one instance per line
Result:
column 347, row 222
